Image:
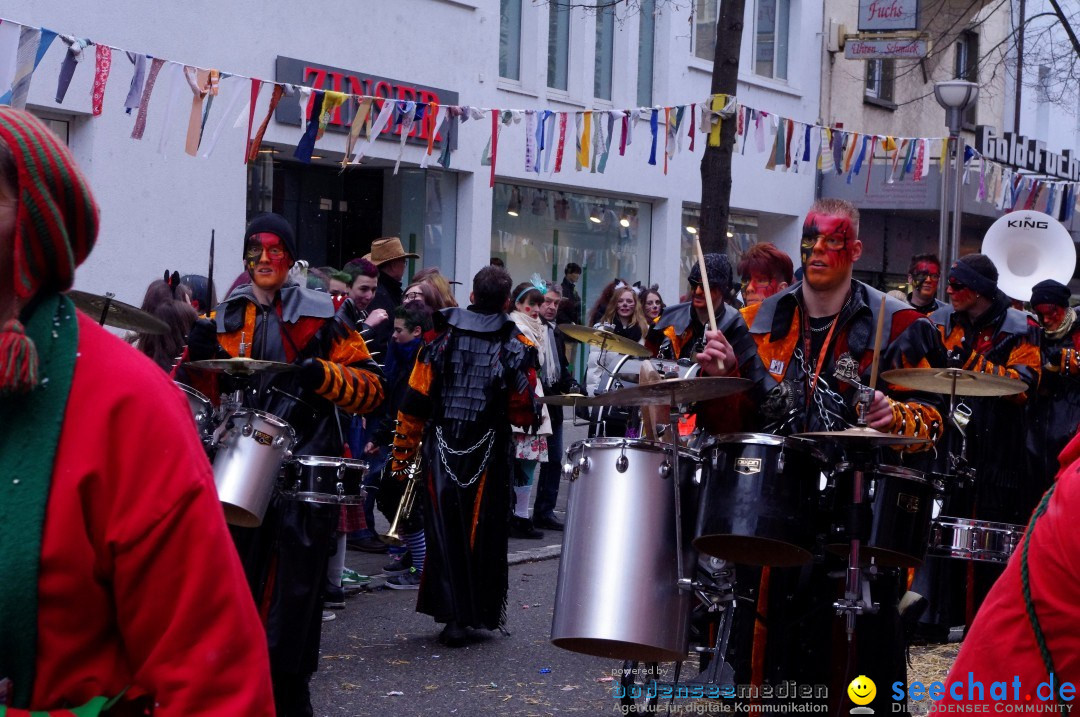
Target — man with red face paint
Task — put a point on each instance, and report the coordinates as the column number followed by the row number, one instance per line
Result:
column 924, row 275
column 765, row 270
column 815, row 339
column 1054, row 412
column 275, row 319
column 982, row 333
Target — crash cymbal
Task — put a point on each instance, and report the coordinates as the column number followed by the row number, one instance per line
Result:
column 566, row 399
column 241, row 366
column 860, row 437
column 673, row 391
column 605, row 340
column 956, row 381
column 119, row 314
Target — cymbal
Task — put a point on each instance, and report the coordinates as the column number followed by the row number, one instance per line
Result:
column 120, row 315
column 605, row 340
column 954, row 380
column 241, row 366
column 673, row 391
column 860, row 437
column 567, row 399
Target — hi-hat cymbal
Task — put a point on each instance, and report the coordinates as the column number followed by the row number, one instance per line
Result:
column 605, row 340
column 673, row 391
column 566, row 399
column 861, row 437
column 241, row 366
column 119, row 314
column 954, row 381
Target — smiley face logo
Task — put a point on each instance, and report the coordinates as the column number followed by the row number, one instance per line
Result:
column 862, row 690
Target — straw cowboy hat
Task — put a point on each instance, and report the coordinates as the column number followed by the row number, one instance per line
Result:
column 386, row 250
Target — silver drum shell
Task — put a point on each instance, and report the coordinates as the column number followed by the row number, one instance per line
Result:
column 617, row 593
column 247, row 463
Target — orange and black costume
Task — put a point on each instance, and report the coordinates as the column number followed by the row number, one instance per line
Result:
column 1054, row 411
column 469, row 386
column 796, row 640
column 286, row 557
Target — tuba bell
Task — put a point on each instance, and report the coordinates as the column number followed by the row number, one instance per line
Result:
column 1028, row 247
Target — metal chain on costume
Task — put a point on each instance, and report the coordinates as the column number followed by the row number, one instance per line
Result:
column 821, row 389
column 488, row 438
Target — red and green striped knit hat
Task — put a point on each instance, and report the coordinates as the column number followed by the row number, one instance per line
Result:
column 55, row 228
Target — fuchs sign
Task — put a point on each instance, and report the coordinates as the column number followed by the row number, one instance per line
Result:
column 1023, row 153
column 354, row 82
column 888, row 15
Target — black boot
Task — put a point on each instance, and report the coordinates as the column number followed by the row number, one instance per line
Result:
column 523, row 528
column 453, row 635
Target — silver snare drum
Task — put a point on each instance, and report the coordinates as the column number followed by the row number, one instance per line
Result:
column 617, row 593
column 974, row 539
column 250, row 452
column 324, row 479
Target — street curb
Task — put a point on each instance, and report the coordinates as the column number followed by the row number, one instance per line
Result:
column 536, row 554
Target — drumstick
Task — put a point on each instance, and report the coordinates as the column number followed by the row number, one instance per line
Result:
column 708, row 292
column 877, row 346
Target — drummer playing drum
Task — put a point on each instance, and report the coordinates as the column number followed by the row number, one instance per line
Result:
column 815, row 346
column 274, row 319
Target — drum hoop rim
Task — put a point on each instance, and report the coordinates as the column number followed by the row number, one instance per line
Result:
column 615, row 441
column 903, row 472
column 330, row 461
column 948, row 520
column 193, row 392
column 268, row 417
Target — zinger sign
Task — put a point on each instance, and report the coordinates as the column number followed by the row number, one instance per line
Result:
column 1023, row 153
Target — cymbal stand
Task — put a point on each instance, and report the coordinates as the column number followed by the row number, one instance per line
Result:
column 616, row 384
column 957, row 469
column 109, row 296
column 856, row 598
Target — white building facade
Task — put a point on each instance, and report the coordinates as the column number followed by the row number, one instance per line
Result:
column 159, row 205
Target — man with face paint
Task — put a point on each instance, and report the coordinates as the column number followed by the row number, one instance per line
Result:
column 1054, row 411
column 275, row 319
column 982, row 333
column 815, row 340
column 765, row 270
column 924, row 275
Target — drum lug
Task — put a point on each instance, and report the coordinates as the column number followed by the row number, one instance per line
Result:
column 780, row 462
column 665, row 469
column 278, row 442
column 583, row 466
column 622, row 463
column 340, row 486
column 248, row 430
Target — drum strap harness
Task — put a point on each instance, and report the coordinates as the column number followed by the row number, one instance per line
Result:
column 1029, row 602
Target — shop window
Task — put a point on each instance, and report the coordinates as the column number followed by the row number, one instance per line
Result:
column 510, row 39
column 966, row 67
column 742, row 233
column 610, row 238
column 771, row 39
column 880, row 80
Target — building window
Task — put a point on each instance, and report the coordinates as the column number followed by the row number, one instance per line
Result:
column 605, row 48
column 705, row 12
column 742, row 233
column 510, row 39
column 646, row 40
column 880, row 78
column 966, row 67
column 610, row 238
column 558, row 46
column 771, row 39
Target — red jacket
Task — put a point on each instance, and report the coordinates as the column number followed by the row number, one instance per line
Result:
column 140, row 586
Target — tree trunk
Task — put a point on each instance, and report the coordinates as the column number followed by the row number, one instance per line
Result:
column 716, row 164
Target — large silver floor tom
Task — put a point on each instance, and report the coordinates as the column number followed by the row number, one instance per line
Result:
column 249, row 456
column 617, row 593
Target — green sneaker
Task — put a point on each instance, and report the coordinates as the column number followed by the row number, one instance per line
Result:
column 351, row 577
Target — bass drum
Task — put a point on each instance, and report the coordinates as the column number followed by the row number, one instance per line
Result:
column 759, row 500
column 618, row 594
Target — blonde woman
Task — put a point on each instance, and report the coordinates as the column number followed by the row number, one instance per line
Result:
column 624, row 313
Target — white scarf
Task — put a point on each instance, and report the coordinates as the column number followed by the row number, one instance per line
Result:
column 536, row 331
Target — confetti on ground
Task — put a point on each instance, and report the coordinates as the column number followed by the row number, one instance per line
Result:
column 545, row 670
column 395, row 693
column 605, row 679
column 567, row 688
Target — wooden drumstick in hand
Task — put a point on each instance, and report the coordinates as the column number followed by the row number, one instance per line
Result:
column 708, row 292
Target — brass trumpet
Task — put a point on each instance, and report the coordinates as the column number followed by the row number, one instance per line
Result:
column 408, row 501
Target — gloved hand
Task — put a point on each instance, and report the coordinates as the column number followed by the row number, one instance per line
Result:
column 312, row 374
column 1052, row 360
column 202, row 340
column 959, row 356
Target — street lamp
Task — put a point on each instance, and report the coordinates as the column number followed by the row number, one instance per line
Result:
column 954, row 96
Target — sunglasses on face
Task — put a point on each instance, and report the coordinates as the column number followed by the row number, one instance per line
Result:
column 832, row 241
column 254, row 252
column 956, row 285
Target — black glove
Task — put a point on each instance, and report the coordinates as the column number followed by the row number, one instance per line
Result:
column 202, row 340
column 959, row 356
column 312, row 374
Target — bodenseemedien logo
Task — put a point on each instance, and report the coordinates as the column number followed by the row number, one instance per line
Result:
column 862, row 691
